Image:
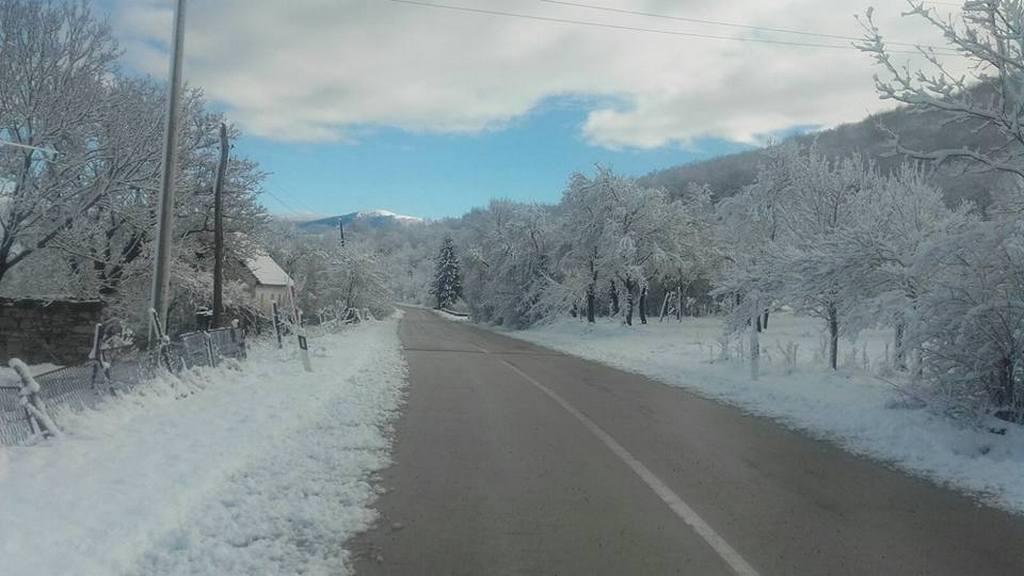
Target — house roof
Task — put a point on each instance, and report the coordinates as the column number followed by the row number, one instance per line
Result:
column 267, row 271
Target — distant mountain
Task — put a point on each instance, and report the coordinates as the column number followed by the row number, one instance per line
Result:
column 726, row 175
column 355, row 220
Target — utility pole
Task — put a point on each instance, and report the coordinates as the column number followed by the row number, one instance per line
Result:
column 341, row 232
column 165, row 225
column 218, row 229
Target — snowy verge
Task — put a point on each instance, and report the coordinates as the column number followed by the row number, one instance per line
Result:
column 851, row 408
column 451, row 315
column 260, row 469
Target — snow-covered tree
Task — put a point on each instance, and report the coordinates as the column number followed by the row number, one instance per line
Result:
column 55, row 63
column 968, row 326
column 508, row 268
column 988, row 36
column 800, row 202
column 875, row 259
column 447, row 285
column 621, row 233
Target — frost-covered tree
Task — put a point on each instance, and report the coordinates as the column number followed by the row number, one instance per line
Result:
column 447, row 285
column 586, row 248
column 989, row 35
column 750, row 230
column 820, row 205
column 356, row 279
column 964, row 315
column 800, row 202
column 625, row 234
column 80, row 168
column 970, row 323
column 508, row 269
column 876, row 259
column 55, row 61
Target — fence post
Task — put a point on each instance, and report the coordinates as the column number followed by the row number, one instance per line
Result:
column 209, row 350
column 99, row 363
column 238, row 338
column 161, row 339
column 277, row 324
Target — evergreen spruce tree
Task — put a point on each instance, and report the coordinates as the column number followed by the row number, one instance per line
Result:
column 447, row 285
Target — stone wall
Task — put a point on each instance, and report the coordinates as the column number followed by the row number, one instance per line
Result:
column 57, row 331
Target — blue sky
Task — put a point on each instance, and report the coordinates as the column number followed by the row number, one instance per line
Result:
column 364, row 104
column 437, row 175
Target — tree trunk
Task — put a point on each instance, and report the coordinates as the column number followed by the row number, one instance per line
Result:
column 1004, row 393
column 899, row 359
column 765, row 319
column 679, row 303
column 664, row 307
column 643, row 305
column 833, row 337
column 590, row 293
column 590, row 303
column 629, row 302
column 613, row 294
column 755, row 351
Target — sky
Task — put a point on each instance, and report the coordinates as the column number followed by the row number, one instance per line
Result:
column 429, row 111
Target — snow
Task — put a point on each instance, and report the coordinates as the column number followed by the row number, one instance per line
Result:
column 387, row 214
column 8, row 377
column 852, row 408
column 256, row 469
column 267, row 271
column 449, row 316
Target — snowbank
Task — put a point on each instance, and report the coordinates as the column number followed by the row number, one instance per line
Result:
column 262, row 470
column 451, row 315
column 851, row 408
column 8, row 377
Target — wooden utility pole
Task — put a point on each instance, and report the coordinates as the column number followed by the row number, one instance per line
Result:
column 218, row 229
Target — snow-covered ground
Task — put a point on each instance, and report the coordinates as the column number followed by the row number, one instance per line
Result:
column 860, row 412
column 259, row 470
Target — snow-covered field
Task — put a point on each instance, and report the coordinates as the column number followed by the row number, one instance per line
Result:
column 262, row 470
column 856, row 410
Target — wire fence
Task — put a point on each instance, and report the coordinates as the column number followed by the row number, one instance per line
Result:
column 115, row 371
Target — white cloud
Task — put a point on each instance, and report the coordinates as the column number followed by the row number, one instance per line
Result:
column 315, row 69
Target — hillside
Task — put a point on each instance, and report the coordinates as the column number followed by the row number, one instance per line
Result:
column 371, row 219
column 925, row 130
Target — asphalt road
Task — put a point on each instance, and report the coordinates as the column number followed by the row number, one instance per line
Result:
column 515, row 459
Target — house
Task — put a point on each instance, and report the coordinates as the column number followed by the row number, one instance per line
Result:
column 268, row 283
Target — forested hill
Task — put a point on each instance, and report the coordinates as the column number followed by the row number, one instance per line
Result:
column 924, row 130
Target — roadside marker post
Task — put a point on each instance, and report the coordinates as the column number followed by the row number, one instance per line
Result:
column 277, row 324
column 300, row 331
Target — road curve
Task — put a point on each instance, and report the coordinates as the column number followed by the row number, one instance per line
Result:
column 511, row 458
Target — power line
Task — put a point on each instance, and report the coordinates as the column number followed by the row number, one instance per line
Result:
column 726, row 24
column 302, row 204
column 631, row 28
column 282, row 202
column 27, row 147
column 305, row 207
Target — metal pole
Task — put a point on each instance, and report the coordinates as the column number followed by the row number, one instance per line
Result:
column 165, row 226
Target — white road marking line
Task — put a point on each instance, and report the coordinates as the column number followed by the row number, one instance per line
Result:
column 729, row 554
